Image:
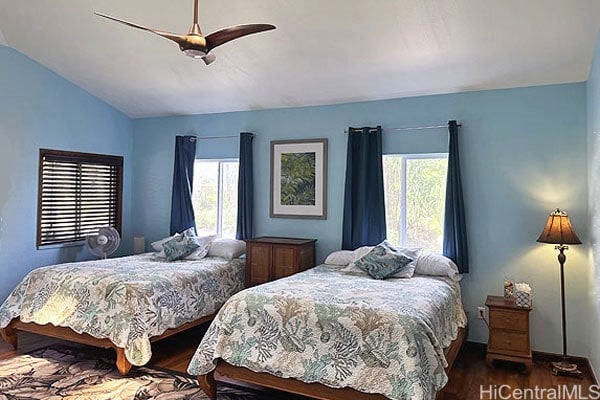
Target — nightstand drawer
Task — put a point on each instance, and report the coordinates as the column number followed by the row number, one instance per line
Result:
column 505, row 319
column 511, row 341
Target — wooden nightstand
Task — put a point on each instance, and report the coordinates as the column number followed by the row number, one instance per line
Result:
column 509, row 332
column 269, row 258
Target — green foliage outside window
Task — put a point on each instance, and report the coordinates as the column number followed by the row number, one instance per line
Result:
column 424, row 196
column 206, row 197
column 230, row 197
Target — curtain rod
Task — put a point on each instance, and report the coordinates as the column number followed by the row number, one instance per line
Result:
column 216, row 137
column 416, row 128
column 219, row 137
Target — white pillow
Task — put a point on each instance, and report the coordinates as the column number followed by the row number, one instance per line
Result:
column 158, row 245
column 204, row 245
column 362, row 251
column 341, row 258
column 346, row 257
column 438, row 265
column 227, row 248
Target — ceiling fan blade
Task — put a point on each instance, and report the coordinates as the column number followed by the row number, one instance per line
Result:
column 209, row 58
column 179, row 39
column 225, row 35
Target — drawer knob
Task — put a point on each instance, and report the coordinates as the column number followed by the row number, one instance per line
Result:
column 507, row 320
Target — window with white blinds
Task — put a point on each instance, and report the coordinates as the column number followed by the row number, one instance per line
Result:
column 77, row 193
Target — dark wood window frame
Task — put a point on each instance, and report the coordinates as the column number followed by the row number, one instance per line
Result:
column 66, row 181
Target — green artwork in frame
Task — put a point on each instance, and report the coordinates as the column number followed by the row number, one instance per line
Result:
column 299, row 178
column 298, row 181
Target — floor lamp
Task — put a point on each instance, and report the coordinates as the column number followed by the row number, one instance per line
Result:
column 559, row 231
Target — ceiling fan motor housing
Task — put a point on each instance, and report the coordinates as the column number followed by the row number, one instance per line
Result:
column 194, row 44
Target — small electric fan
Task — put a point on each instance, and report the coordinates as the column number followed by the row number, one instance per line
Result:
column 105, row 242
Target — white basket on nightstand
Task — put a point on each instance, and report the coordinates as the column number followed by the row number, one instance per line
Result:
column 523, row 295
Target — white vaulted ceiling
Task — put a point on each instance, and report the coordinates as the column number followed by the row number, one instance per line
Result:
column 323, row 51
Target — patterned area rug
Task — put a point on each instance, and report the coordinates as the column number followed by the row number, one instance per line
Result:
column 59, row 372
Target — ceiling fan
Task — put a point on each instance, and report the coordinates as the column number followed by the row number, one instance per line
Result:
column 194, row 44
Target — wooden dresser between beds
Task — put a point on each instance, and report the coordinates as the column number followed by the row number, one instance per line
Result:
column 270, row 258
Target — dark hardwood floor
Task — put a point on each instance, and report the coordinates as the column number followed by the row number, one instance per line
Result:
column 469, row 372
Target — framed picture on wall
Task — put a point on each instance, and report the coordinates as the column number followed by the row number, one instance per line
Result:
column 299, row 178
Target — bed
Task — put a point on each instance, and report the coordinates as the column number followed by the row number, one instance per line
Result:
column 121, row 303
column 330, row 333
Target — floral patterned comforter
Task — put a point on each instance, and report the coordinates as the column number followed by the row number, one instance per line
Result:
column 341, row 329
column 126, row 300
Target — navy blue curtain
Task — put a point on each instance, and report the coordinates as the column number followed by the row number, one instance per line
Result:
column 455, row 231
column 182, row 209
column 245, row 216
column 364, row 204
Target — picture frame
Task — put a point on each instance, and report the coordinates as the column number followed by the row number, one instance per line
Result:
column 299, row 179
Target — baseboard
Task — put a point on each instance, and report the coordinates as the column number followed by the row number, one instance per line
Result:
column 544, row 356
column 476, row 344
column 593, row 372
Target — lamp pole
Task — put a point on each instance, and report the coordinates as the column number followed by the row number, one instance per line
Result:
column 561, row 260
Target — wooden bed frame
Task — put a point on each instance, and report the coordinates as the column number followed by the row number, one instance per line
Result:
column 9, row 334
column 314, row 390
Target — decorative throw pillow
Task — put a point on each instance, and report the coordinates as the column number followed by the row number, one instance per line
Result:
column 409, row 270
column 158, row 245
column 181, row 246
column 227, row 248
column 203, row 247
column 383, row 261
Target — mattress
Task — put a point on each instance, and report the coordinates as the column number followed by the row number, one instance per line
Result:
column 127, row 300
column 340, row 329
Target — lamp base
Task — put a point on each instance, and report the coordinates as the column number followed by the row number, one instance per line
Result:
column 565, row 368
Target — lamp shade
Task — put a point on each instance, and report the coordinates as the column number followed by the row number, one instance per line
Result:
column 558, row 230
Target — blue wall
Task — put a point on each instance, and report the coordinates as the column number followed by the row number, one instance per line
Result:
column 593, row 114
column 523, row 154
column 39, row 109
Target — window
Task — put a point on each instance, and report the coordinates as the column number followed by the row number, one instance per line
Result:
column 215, row 197
column 415, row 193
column 77, row 193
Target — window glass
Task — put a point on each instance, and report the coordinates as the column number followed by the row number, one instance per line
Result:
column 215, row 197
column 392, row 180
column 415, row 190
column 230, row 197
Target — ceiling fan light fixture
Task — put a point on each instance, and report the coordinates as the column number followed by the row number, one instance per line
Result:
column 194, row 53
